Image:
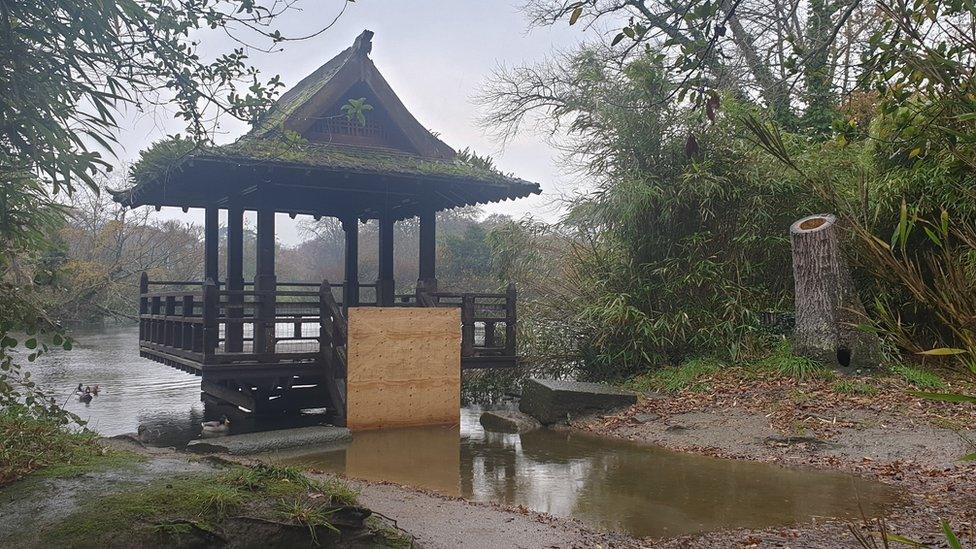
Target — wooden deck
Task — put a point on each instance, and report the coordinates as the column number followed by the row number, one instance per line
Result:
column 287, row 347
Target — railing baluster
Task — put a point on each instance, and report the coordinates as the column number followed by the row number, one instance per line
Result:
column 186, row 330
column 510, row 320
column 155, row 336
column 169, row 329
column 467, row 325
column 489, row 334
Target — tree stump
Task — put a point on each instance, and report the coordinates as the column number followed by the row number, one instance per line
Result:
column 828, row 309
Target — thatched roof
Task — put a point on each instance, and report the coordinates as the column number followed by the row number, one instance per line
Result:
column 309, row 157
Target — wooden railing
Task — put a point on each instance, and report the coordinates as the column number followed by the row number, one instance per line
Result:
column 488, row 322
column 300, row 322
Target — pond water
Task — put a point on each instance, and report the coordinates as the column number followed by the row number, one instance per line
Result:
column 607, row 484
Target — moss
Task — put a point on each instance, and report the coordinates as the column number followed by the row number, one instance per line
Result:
column 47, row 448
column 387, row 536
column 177, row 506
column 107, row 460
column 161, row 159
column 300, row 151
column 164, row 158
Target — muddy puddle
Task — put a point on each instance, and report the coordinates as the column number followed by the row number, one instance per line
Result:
column 606, row 484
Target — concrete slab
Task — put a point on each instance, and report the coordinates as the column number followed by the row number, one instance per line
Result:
column 508, row 421
column 266, row 441
column 550, row 400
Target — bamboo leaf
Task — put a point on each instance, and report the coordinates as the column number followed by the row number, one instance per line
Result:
column 576, row 15
column 943, row 351
column 950, row 536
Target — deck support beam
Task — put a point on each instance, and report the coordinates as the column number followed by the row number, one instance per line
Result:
column 427, row 281
column 265, row 282
column 234, row 331
column 350, row 291
column 385, row 285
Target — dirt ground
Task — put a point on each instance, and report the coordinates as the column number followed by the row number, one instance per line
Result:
column 911, row 443
column 439, row 522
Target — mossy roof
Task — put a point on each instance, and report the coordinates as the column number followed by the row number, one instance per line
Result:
column 177, row 169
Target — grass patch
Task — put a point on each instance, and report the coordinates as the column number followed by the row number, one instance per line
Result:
column 163, row 510
column 921, row 379
column 851, row 387
column 677, row 378
column 47, row 448
column 784, row 362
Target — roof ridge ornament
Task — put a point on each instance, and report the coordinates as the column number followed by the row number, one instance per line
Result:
column 363, row 43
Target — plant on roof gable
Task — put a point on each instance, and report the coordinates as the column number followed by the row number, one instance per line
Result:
column 357, row 108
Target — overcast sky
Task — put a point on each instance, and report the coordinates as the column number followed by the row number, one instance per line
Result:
column 437, row 56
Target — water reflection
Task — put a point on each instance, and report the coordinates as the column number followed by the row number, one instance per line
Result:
column 609, row 484
column 138, row 391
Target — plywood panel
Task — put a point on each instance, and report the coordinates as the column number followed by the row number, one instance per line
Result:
column 404, row 367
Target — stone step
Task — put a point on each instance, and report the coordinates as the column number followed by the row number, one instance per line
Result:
column 551, row 401
column 266, row 441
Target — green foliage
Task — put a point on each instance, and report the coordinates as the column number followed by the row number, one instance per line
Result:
column 783, row 361
column 45, row 447
column 68, row 67
column 673, row 255
column 161, row 158
column 71, row 66
column 356, row 109
column 205, row 500
column 921, row 379
column 672, row 379
column 852, row 387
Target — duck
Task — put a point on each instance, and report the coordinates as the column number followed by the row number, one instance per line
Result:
column 80, row 389
column 85, row 397
column 145, row 434
column 211, row 428
column 96, row 389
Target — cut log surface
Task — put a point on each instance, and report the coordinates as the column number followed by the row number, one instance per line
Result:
column 828, row 309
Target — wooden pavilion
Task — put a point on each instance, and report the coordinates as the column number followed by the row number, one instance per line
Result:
column 267, row 344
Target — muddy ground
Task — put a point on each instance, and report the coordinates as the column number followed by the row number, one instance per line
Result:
column 32, row 506
column 910, row 443
column 905, row 441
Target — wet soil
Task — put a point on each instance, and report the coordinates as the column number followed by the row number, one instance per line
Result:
column 442, row 522
column 912, row 444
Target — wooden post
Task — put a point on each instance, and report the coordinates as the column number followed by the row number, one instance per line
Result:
column 265, row 283
column 211, row 243
column 211, row 324
column 510, row 320
column 828, row 309
column 329, row 340
column 427, row 282
column 143, row 306
column 467, row 325
column 350, row 290
column 234, row 331
column 385, row 285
